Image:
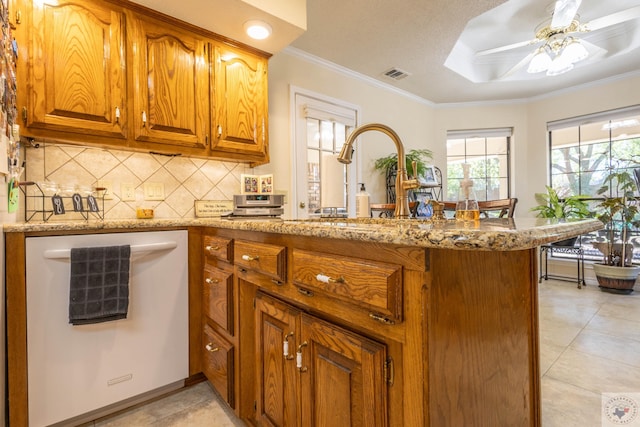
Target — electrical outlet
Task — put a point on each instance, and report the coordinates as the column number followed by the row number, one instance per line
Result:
column 153, row 191
column 127, row 192
column 107, row 193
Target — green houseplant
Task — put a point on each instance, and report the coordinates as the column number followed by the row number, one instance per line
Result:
column 619, row 212
column 552, row 205
column 388, row 164
column 388, row 167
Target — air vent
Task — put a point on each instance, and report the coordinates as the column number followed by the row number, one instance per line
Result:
column 396, row 74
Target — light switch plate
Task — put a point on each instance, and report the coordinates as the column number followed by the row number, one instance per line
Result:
column 153, row 191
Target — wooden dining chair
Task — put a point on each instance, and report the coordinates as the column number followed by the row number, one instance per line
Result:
column 504, row 208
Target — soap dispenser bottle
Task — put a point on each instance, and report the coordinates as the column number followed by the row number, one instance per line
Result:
column 362, row 203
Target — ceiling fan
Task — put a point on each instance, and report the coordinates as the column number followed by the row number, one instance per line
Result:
column 558, row 45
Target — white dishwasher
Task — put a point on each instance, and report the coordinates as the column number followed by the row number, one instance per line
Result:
column 76, row 370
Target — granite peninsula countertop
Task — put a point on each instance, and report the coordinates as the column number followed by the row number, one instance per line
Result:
column 493, row 234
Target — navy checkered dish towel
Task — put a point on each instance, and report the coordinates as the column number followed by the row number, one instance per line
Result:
column 99, row 284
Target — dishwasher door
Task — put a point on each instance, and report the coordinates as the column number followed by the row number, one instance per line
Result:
column 74, row 370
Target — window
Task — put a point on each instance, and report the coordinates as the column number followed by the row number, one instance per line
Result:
column 322, row 185
column 582, row 151
column 326, row 177
column 487, row 151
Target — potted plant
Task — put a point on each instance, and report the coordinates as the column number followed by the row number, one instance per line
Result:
column 389, row 163
column 388, row 166
column 552, row 205
column 619, row 211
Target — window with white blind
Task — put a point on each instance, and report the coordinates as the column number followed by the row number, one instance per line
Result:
column 322, row 184
column 487, row 151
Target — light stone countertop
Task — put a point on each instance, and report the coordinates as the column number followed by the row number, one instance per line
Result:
column 487, row 234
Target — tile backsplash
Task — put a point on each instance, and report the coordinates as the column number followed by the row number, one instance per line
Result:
column 184, row 179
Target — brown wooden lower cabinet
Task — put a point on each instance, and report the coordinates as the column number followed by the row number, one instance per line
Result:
column 314, row 373
column 446, row 337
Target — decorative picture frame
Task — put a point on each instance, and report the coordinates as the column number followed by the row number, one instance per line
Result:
column 249, row 184
column 266, row 184
column 256, row 184
column 428, row 178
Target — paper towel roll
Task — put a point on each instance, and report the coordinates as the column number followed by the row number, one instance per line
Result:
column 331, row 182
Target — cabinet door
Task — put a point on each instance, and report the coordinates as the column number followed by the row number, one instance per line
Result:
column 76, row 74
column 277, row 388
column 170, row 84
column 240, row 121
column 343, row 377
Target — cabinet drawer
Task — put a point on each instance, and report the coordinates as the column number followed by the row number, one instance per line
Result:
column 270, row 260
column 218, row 247
column 218, row 363
column 372, row 285
column 218, row 297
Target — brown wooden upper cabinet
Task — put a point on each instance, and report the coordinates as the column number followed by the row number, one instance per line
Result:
column 240, row 93
column 115, row 74
column 75, row 80
column 170, row 80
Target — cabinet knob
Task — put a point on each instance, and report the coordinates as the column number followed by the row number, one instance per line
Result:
column 144, row 119
column 250, row 258
column 211, row 248
column 117, row 114
column 219, row 131
column 210, row 348
column 326, row 279
column 211, row 281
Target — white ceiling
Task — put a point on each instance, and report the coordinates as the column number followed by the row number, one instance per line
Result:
column 418, row 36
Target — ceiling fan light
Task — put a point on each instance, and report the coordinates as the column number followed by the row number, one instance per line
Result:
column 575, row 51
column 559, row 65
column 540, row 62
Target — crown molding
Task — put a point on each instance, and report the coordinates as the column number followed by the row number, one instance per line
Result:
column 516, row 101
column 353, row 74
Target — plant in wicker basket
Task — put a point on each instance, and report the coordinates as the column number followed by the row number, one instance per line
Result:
column 619, row 211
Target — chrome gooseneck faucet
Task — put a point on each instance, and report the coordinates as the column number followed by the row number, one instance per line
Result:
column 403, row 183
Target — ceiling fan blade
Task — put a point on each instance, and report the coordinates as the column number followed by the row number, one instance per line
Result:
column 613, row 19
column 507, row 47
column 564, row 12
column 517, row 67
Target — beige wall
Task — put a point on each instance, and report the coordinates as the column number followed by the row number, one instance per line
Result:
column 421, row 124
column 411, row 118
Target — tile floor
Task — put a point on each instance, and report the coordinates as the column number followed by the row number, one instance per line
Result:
column 590, row 343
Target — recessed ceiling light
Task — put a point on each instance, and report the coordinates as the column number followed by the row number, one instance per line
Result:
column 256, row 29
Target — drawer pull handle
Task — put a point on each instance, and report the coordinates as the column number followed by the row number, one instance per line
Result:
column 211, row 281
column 210, row 348
column 285, row 347
column 305, row 292
column 212, row 248
column 250, row 258
column 299, row 358
column 326, row 279
column 382, row 319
